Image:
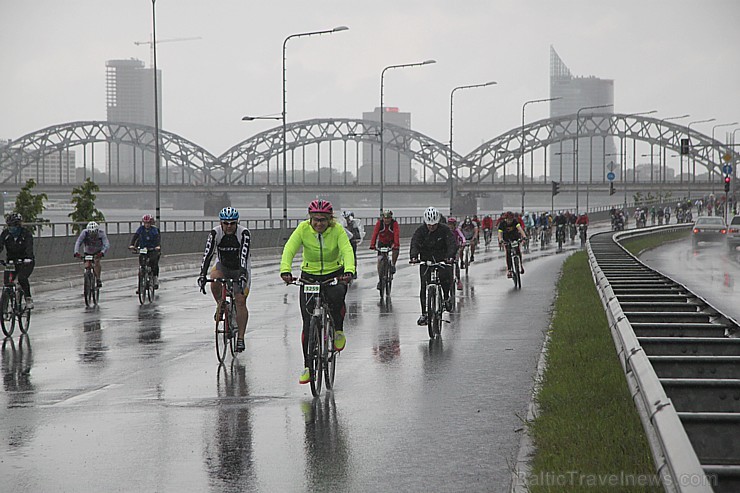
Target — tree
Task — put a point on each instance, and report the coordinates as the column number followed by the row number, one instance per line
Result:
column 83, row 198
column 30, row 206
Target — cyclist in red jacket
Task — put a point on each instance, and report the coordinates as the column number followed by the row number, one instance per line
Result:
column 386, row 234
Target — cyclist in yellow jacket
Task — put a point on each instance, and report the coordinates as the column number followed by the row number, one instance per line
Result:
column 327, row 253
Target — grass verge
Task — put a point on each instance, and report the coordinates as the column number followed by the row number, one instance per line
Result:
column 638, row 245
column 588, row 436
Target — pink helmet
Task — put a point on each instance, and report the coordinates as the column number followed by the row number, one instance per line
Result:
column 451, row 220
column 147, row 218
column 320, row 206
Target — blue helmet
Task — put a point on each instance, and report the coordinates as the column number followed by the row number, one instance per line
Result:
column 228, row 214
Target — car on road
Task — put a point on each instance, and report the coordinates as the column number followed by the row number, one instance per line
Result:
column 708, row 228
column 733, row 233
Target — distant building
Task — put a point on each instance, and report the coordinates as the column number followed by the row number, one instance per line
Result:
column 55, row 168
column 577, row 93
column 370, row 169
column 130, row 99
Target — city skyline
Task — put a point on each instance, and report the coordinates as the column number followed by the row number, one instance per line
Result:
column 673, row 62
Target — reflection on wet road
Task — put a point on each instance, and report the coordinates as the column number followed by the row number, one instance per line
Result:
column 130, row 397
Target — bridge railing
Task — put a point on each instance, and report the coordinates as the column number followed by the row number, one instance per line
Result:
column 60, row 229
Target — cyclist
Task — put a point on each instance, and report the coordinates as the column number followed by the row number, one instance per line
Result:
column 487, row 225
column 582, row 221
column 460, row 239
column 18, row 242
column 355, row 232
column 93, row 241
column 147, row 236
column 433, row 241
column 387, row 234
column 230, row 241
column 470, row 230
column 510, row 229
column 327, row 254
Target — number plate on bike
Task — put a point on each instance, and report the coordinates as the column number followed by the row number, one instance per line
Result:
column 143, row 250
column 384, row 249
column 89, row 257
column 311, row 288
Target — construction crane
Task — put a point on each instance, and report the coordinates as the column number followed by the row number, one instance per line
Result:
column 151, row 46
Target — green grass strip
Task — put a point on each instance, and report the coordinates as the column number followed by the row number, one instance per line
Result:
column 588, row 436
column 638, row 245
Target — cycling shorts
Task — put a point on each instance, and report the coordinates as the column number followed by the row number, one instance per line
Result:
column 232, row 274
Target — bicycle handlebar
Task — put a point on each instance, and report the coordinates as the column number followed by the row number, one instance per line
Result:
column 13, row 262
column 302, row 282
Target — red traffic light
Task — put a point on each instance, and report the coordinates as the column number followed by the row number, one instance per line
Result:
column 727, row 179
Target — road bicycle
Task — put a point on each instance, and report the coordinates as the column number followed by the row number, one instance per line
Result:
column 582, row 233
column 487, row 234
column 512, row 249
column 226, row 325
column 322, row 357
column 91, row 290
column 12, row 302
column 560, row 236
column 435, row 302
column 385, row 272
column 145, row 287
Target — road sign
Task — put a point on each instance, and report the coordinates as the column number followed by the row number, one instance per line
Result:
column 610, row 166
column 727, row 157
column 727, row 169
column 610, row 176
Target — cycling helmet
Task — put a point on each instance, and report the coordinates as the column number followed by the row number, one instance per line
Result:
column 92, row 227
column 228, row 214
column 13, row 219
column 387, row 213
column 147, row 218
column 320, row 206
column 348, row 214
column 431, row 216
column 451, row 220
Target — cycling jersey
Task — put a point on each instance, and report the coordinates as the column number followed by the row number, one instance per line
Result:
column 232, row 251
column 487, row 223
column 510, row 232
column 92, row 244
column 437, row 245
column 459, row 237
column 147, row 238
column 468, row 231
column 323, row 254
column 386, row 235
column 18, row 247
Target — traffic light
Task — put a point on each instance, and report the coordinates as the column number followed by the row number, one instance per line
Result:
column 611, row 188
column 555, row 188
column 684, row 147
column 727, row 183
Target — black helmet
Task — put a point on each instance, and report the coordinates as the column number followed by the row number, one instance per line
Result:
column 13, row 219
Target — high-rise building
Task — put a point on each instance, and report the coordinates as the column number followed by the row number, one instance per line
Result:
column 576, row 93
column 130, row 99
column 397, row 166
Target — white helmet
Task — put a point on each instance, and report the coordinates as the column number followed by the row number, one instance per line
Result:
column 92, row 227
column 431, row 216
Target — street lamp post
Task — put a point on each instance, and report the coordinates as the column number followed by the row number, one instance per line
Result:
column 521, row 143
column 662, row 156
column 157, row 211
column 711, row 172
column 382, row 112
column 284, row 114
column 693, row 161
column 578, row 131
column 450, row 168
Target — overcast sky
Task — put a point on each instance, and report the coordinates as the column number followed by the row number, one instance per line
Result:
column 674, row 56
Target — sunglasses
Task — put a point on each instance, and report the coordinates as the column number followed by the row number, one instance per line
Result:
column 229, row 223
column 320, row 219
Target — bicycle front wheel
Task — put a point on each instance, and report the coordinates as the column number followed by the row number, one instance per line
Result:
column 314, row 355
column 382, row 278
column 142, row 286
column 89, row 280
column 432, row 316
column 222, row 335
column 7, row 312
column 149, row 286
column 24, row 314
column 330, row 355
column 516, row 264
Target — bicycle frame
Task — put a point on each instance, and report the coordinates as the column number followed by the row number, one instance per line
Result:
column 225, row 319
column 12, row 304
column 146, row 285
column 512, row 250
column 384, row 272
column 91, row 289
column 435, row 298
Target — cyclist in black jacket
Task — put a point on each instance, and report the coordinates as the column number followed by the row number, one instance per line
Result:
column 433, row 241
column 18, row 242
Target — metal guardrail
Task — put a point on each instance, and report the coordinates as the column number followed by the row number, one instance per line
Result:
column 170, row 226
column 675, row 458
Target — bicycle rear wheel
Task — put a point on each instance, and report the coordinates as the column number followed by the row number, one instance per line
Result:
column 222, row 335
column 7, row 315
column 24, row 314
column 142, row 286
column 314, row 356
column 330, row 355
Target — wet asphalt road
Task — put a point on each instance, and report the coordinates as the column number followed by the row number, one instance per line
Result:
column 131, row 398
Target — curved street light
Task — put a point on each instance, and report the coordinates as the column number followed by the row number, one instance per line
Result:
column 382, row 111
column 284, row 114
column 450, row 168
column 578, row 132
column 521, row 145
